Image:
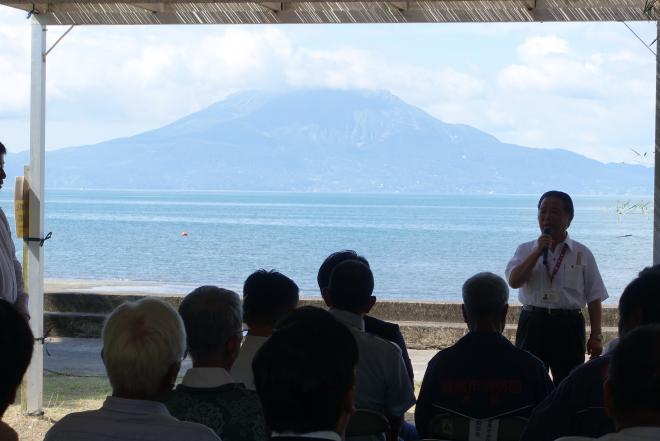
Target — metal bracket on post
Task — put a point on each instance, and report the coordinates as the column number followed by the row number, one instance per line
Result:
column 58, row 40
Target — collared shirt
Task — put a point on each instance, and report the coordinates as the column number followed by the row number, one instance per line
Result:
column 629, row 434
column 11, row 274
column 122, row 419
column 576, row 283
column 206, row 377
column 482, row 376
column 575, row 408
column 241, row 371
column 390, row 332
column 321, row 434
column 382, row 382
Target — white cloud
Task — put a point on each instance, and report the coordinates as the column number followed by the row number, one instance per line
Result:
column 555, row 89
column 540, row 47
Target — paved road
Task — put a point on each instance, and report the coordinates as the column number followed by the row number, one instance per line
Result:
column 82, row 356
column 78, row 356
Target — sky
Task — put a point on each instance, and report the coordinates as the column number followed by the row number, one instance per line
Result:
column 584, row 87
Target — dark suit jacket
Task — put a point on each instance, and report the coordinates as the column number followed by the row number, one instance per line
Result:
column 575, row 408
column 390, row 332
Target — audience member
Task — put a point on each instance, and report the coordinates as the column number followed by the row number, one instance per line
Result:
column 632, row 388
column 372, row 325
column 268, row 296
column 11, row 272
column 577, row 408
column 17, row 342
column 207, row 394
column 305, row 374
column 382, row 382
column 483, row 375
column 143, row 344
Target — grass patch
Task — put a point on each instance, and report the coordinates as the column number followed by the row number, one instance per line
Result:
column 73, row 394
column 62, row 395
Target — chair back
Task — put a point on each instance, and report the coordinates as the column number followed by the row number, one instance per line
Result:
column 366, row 422
column 452, row 427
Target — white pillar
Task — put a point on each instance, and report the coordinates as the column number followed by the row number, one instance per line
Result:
column 656, row 188
column 35, row 288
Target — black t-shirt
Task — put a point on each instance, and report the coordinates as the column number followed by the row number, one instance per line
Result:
column 482, row 376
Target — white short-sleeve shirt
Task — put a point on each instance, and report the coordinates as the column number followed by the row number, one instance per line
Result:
column 576, row 283
column 241, row 371
column 11, row 274
column 382, row 383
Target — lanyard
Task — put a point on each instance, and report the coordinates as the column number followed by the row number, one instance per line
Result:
column 557, row 265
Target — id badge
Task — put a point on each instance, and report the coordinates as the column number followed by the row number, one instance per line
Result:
column 550, row 297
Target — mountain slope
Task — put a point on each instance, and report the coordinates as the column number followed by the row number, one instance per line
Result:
column 329, row 140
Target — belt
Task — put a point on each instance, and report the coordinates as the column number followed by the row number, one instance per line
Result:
column 551, row 311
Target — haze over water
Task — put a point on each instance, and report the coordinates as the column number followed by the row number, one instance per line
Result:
column 421, row 247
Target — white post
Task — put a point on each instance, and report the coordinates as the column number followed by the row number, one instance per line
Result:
column 656, row 188
column 35, row 287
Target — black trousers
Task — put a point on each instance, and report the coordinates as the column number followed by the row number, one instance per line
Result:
column 558, row 340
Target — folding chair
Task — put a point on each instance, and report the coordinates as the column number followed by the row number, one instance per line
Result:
column 368, row 423
column 453, row 427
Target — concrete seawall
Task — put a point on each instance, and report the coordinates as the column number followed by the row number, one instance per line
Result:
column 425, row 325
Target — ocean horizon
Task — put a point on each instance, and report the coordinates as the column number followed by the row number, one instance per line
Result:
column 421, row 247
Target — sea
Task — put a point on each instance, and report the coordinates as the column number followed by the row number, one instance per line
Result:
column 420, row 247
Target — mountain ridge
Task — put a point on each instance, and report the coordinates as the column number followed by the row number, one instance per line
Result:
column 330, row 141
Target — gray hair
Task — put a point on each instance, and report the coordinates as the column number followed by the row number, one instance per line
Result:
column 211, row 316
column 141, row 341
column 485, row 294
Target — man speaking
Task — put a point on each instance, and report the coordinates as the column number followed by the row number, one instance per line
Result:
column 556, row 277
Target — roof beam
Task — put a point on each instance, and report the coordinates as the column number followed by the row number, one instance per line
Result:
column 273, row 6
column 141, row 12
column 153, row 7
column 400, row 6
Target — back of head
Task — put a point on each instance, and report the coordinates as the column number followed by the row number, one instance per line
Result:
column 654, row 269
column 211, row 316
column 634, row 375
column 17, row 344
column 330, row 262
column 141, row 341
column 267, row 297
column 351, row 286
column 485, row 295
column 304, row 372
column 640, row 302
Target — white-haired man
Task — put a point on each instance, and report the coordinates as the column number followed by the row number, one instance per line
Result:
column 143, row 345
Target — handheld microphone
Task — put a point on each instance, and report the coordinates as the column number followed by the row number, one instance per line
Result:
column 546, row 230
